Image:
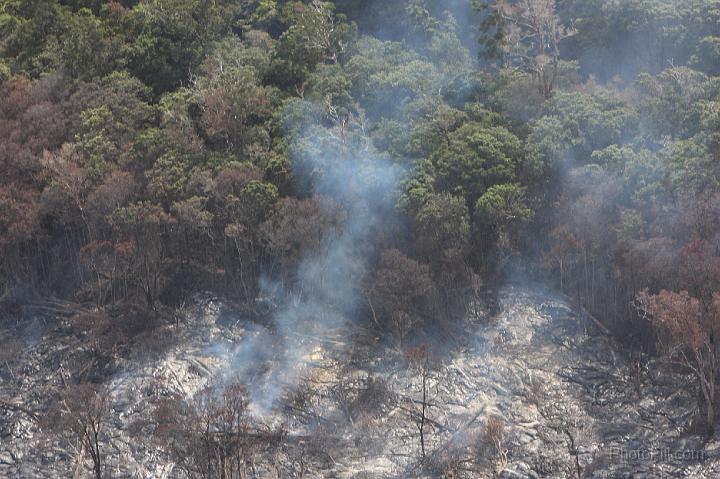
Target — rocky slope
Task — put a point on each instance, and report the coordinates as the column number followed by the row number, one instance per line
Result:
column 532, row 391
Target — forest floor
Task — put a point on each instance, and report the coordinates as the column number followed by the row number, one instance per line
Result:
column 533, row 391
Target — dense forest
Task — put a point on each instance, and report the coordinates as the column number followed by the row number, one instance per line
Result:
column 378, row 161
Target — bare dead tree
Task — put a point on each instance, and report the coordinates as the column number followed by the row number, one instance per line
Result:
column 420, row 361
column 81, row 413
column 212, row 436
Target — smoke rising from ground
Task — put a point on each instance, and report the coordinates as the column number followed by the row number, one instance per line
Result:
column 326, row 294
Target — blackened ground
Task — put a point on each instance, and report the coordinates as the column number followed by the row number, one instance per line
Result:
column 533, row 390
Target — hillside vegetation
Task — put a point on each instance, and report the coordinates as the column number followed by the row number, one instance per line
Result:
column 373, row 162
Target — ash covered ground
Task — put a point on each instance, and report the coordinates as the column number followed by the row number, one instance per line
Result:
column 534, row 390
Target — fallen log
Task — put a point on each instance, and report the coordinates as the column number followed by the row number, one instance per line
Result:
column 15, row 406
column 596, row 322
column 276, row 438
column 603, row 329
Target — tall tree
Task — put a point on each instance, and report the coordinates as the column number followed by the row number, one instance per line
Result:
column 693, row 326
column 401, row 288
column 525, row 34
